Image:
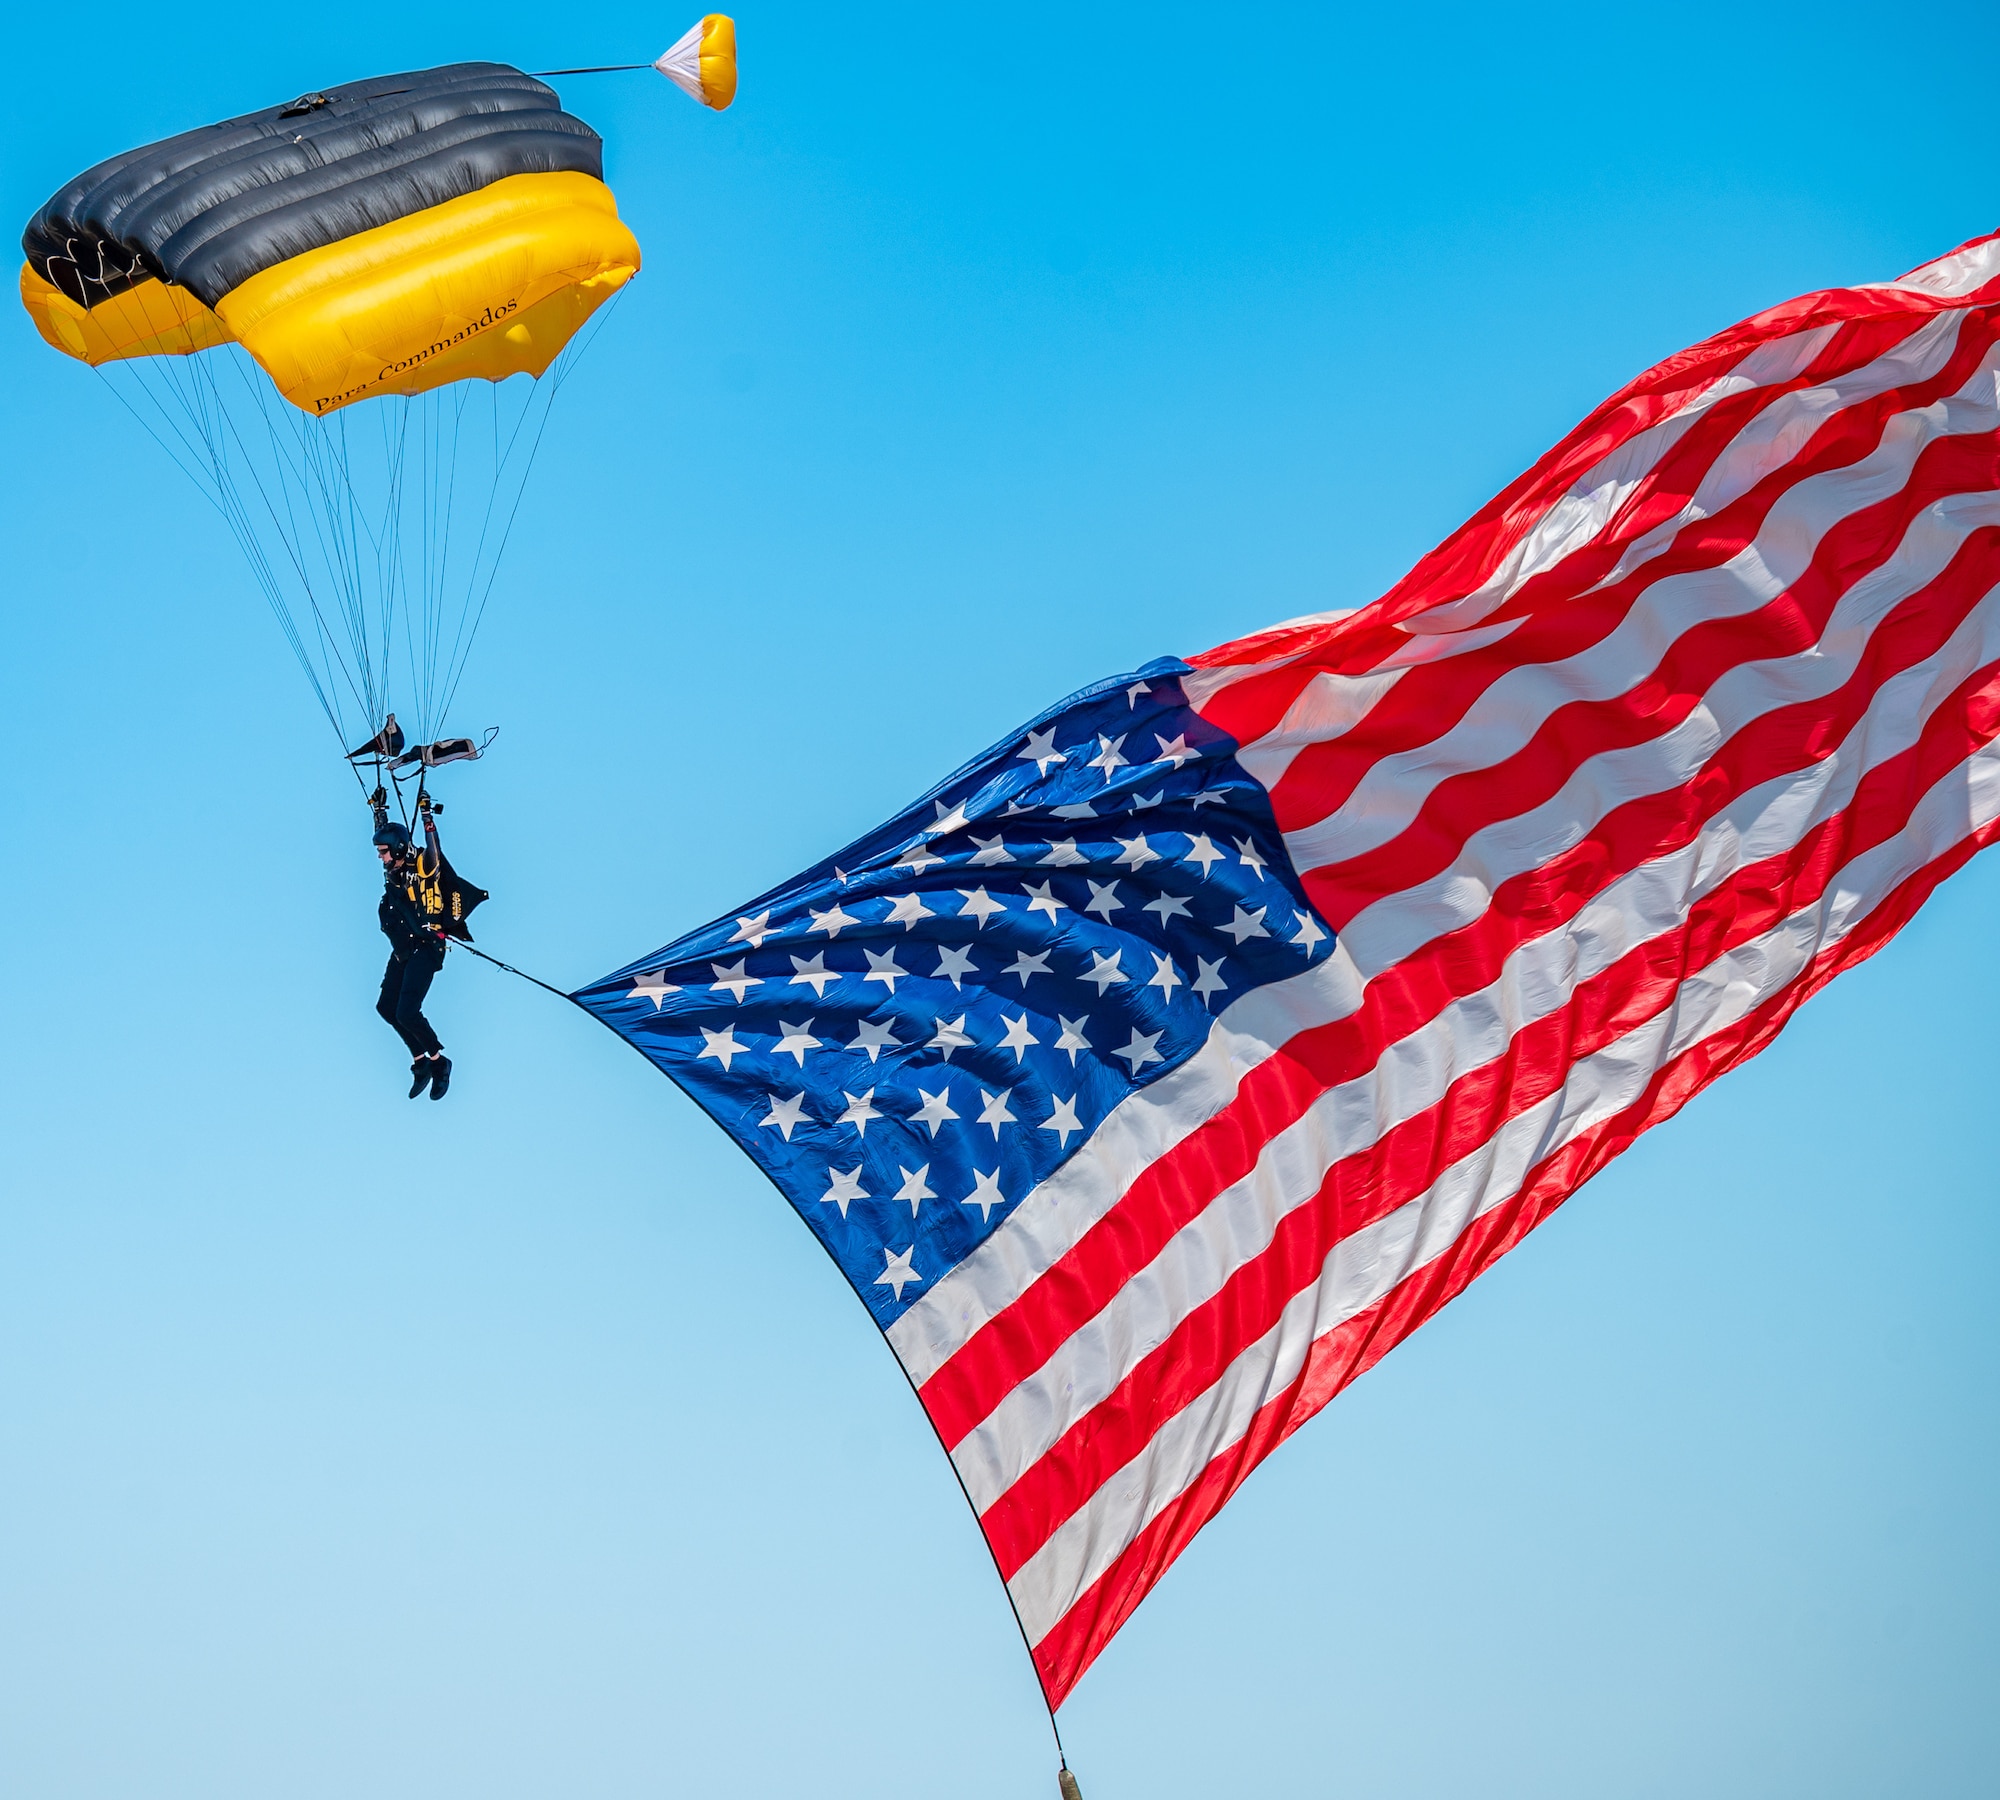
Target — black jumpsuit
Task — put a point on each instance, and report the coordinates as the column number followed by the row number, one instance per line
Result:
column 416, row 953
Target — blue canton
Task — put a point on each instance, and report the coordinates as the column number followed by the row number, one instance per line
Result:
column 913, row 1035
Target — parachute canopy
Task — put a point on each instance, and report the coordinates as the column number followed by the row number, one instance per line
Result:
column 387, row 237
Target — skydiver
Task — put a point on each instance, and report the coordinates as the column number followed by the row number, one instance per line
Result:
column 416, row 954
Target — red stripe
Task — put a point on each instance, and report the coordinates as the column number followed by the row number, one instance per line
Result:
column 1429, row 700
column 1360, row 1189
column 1465, row 803
column 1065, row 1652
column 1460, row 564
column 1224, row 1149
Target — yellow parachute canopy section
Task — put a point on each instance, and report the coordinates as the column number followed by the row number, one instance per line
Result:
column 489, row 285
column 150, row 319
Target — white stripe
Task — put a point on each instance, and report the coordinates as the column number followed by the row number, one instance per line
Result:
column 1780, row 432
column 1964, row 271
column 1589, row 506
column 1369, row 1264
column 1335, row 703
column 1330, row 705
column 1509, row 712
column 1540, row 978
column 1597, row 497
column 1391, row 928
column 1134, row 1135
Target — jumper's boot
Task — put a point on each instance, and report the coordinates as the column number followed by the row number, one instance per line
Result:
column 442, row 1079
column 421, row 1072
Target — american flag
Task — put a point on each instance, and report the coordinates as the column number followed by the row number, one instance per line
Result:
column 1167, row 1065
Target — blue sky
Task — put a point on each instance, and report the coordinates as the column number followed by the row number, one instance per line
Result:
column 525, row 1444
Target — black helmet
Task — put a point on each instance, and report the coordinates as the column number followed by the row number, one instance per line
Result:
column 392, row 837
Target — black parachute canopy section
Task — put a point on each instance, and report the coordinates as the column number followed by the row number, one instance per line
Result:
column 210, row 208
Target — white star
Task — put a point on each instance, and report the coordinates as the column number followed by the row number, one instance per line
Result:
column 1041, row 750
column 1310, row 936
column 896, row 1270
column 785, row 1114
column 654, row 987
column 1133, row 692
column 986, row 1194
column 915, row 1188
column 991, row 851
column 1063, row 1121
column 861, row 1108
column 906, row 910
column 995, row 1112
column 731, row 977
column 1063, row 855
column 752, row 931
column 1142, row 802
column 979, row 906
column 1042, row 901
column 1169, row 906
column 917, row 859
column 1018, row 1036
column 935, row 1109
column 947, row 822
column 1014, row 810
column 1246, row 924
column 1107, row 757
column 884, row 968
column 812, row 972
column 954, row 965
column 1248, row 857
column 721, row 1045
column 1078, row 809
column 1207, row 797
column 1104, row 970
column 1208, row 980
column 798, row 1039
column 1104, row 899
column 951, row 1035
column 1025, row 965
column 873, row 1035
column 1137, row 852
column 1164, row 976
column 1139, row 1052
column 843, row 1187
column 1200, row 850
column 1176, row 753
column 1072, row 1038
column 832, row 920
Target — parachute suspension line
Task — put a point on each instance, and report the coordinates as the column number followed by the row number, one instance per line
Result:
column 501, row 460
column 287, row 460
column 252, row 540
column 212, row 419
column 287, row 471
column 558, row 374
column 188, row 460
column 391, row 584
column 355, row 563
